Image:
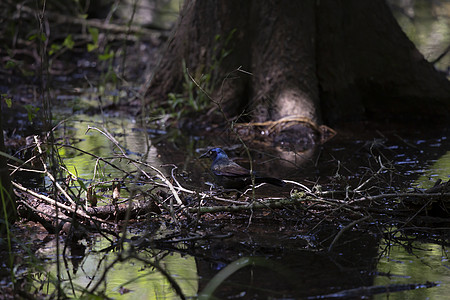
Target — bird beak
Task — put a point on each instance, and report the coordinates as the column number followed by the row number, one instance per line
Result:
column 205, row 155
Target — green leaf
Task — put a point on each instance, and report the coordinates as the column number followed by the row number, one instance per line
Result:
column 40, row 36
column 94, row 34
column 68, row 42
column 10, row 64
column 31, row 111
column 91, row 47
column 82, row 185
column 106, row 56
column 8, row 101
column 32, row 37
column 54, row 48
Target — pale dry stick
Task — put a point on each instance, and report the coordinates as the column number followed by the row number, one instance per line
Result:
column 49, row 175
column 108, row 135
column 264, row 202
column 56, row 203
column 20, row 169
column 115, row 142
column 399, row 195
column 316, row 196
column 72, row 176
column 96, row 166
column 254, row 187
column 239, row 69
column 103, row 159
column 181, row 188
column 382, row 168
column 304, row 187
column 204, row 195
column 172, row 174
column 163, row 178
column 66, row 195
column 160, row 175
column 178, row 188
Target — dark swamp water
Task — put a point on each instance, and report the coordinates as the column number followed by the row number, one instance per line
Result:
column 278, row 254
column 275, row 254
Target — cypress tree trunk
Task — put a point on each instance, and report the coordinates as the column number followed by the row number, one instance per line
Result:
column 325, row 61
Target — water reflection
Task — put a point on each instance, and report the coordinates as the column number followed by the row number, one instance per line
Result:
column 265, row 264
column 356, row 261
column 427, row 24
column 120, row 276
column 418, row 263
column 75, row 132
column 291, row 270
column 438, row 169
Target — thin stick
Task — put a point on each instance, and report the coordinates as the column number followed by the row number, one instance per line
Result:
column 56, row 203
column 49, row 175
column 349, row 226
column 136, row 163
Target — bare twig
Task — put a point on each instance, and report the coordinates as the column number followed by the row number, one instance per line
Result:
column 51, row 201
column 136, row 163
column 349, row 226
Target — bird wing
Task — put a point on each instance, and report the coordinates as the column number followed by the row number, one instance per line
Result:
column 231, row 169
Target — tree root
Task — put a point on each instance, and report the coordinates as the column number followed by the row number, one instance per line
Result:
column 275, row 128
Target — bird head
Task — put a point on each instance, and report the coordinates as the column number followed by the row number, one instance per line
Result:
column 214, row 153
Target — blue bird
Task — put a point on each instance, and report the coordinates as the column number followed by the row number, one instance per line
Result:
column 230, row 175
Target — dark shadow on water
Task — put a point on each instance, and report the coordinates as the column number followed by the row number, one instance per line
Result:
column 309, row 268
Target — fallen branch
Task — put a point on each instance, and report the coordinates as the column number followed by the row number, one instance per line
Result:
column 53, row 202
column 118, row 28
column 267, row 203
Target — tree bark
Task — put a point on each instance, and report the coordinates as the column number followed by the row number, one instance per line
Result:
column 324, row 61
column 198, row 39
column 283, row 61
column 367, row 66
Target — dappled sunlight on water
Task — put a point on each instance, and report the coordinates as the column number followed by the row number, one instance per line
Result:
column 437, row 169
column 127, row 279
column 422, row 263
column 419, row 159
column 136, row 145
column 277, row 253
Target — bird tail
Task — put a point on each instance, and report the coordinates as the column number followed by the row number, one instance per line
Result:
column 270, row 180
